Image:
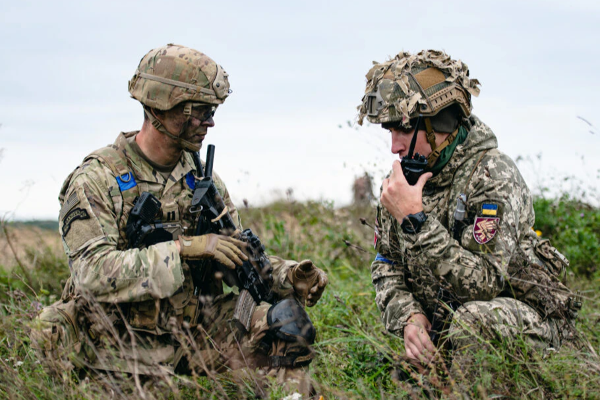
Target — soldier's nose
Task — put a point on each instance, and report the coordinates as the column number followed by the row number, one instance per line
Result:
column 209, row 122
column 398, row 145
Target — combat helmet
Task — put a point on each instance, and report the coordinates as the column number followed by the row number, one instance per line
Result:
column 173, row 74
column 416, row 87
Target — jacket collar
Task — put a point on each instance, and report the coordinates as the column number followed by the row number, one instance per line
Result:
column 480, row 138
column 144, row 172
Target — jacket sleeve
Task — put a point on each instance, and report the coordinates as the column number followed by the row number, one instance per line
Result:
column 475, row 267
column 393, row 297
column 88, row 225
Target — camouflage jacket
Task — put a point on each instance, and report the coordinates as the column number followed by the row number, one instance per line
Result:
column 151, row 285
column 495, row 241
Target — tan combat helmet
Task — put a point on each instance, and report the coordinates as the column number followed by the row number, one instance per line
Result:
column 173, row 74
column 409, row 86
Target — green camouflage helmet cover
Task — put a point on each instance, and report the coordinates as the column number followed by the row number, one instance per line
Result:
column 410, row 85
column 174, row 74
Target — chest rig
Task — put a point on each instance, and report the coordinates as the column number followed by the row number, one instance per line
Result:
column 155, row 316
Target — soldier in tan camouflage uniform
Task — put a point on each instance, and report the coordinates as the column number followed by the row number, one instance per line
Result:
column 458, row 243
column 136, row 310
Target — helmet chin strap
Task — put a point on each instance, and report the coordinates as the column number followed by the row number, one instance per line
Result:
column 435, row 149
column 186, row 145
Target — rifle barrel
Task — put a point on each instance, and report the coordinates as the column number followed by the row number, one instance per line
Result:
column 210, row 157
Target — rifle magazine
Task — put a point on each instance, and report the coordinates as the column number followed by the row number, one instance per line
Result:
column 244, row 308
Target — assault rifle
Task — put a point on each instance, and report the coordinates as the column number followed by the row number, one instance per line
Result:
column 254, row 277
column 142, row 228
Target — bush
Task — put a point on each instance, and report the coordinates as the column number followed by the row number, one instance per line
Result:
column 574, row 229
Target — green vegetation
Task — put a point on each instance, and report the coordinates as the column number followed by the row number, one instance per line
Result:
column 50, row 225
column 574, row 228
column 356, row 357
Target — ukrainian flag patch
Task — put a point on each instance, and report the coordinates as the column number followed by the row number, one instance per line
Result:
column 489, row 209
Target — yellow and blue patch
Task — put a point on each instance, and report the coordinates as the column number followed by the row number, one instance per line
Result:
column 489, row 209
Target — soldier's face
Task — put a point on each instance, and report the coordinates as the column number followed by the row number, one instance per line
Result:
column 196, row 128
column 401, row 142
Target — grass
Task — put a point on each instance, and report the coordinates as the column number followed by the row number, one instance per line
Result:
column 356, row 358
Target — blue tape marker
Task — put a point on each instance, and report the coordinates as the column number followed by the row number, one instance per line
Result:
column 190, row 180
column 489, row 206
column 379, row 257
column 126, row 181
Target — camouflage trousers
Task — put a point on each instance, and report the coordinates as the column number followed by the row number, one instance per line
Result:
column 214, row 345
column 477, row 322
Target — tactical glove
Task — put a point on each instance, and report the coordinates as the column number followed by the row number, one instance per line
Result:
column 308, row 281
column 223, row 249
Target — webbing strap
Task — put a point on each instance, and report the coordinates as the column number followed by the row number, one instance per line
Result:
column 429, row 133
column 436, row 153
column 187, row 111
column 173, row 82
column 115, row 160
column 110, row 157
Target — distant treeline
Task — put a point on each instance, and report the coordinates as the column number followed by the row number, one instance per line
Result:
column 51, row 225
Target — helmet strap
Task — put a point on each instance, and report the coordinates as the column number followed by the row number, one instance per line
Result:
column 429, row 133
column 187, row 111
column 436, row 151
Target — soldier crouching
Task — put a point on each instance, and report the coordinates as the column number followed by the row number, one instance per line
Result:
column 153, row 302
column 458, row 262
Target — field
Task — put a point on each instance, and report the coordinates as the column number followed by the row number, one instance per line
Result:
column 356, row 357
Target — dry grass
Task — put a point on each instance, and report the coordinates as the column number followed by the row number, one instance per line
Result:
column 28, row 243
column 356, row 357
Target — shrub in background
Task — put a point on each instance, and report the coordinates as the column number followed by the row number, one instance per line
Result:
column 574, row 229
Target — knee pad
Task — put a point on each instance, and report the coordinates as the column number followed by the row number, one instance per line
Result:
column 290, row 335
column 289, row 322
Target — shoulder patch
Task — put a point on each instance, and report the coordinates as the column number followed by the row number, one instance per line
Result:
column 490, row 209
column 71, row 202
column 78, row 213
column 485, row 228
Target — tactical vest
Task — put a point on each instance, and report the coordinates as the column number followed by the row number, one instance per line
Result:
column 155, row 317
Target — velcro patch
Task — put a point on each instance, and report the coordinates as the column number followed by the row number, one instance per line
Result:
column 485, row 228
column 126, row 181
column 190, row 180
column 381, row 258
column 78, row 213
column 489, row 209
column 71, row 202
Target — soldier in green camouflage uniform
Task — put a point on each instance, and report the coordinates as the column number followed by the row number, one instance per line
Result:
column 457, row 245
column 136, row 310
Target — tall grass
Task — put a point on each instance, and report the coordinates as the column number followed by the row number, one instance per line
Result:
column 356, row 358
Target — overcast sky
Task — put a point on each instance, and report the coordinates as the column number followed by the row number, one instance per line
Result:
column 297, row 73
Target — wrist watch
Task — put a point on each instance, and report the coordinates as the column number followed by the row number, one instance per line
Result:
column 412, row 223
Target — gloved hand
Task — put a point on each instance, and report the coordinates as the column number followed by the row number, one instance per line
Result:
column 308, row 281
column 222, row 249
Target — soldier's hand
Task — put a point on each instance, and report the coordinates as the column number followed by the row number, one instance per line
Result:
column 308, row 281
column 417, row 343
column 223, row 249
column 400, row 198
